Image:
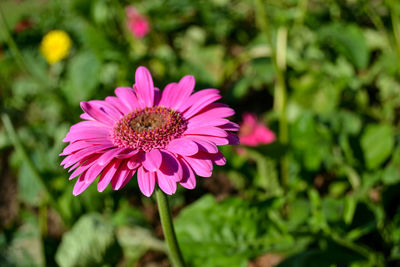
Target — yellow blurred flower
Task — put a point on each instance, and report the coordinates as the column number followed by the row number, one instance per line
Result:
column 55, row 46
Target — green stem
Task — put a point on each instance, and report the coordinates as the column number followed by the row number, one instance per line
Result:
column 278, row 57
column 168, row 229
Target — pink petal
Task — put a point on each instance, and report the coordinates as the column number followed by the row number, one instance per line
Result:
column 128, row 97
column 73, row 147
column 80, row 185
column 118, row 104
column 175, row 96
column 166, row 183
column 170, row 166
column 214, row 131
column 71, row 159
column 107, row 108
column 109, row 155
column 205, row 145
column 183, row 146
column 230, row 126
column 152, row 161
column 202, row 167
column 214, row 111
column 219, row 141
column 135, row 161
column 218, row 158
column 146, row 181
column 96, row 113
column 82, row 134
column 204, row 121
column 188, row 179
column 122, row 174
column 85, row 165
column 108, row 174
column 128, row 153
column 198, row 101
column 144, row 86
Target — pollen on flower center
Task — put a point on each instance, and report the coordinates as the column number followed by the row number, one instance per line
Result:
column 148, row 128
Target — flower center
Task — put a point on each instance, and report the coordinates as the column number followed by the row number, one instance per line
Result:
column 148, row 128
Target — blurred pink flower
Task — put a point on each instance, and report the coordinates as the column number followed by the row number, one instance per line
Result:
column 253, row 133
column 165, row 137
column 136, row 23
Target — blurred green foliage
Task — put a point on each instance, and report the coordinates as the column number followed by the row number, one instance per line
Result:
column 341, row 70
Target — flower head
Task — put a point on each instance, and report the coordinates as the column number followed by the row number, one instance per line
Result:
column 138, row 24
column 55, row 46
column 165, row 137
column 253, row 133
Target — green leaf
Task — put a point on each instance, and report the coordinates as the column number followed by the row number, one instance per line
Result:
column 90, row 242
column 227, row 233
column 82, row 77
column 348, row 40
column 377, row 144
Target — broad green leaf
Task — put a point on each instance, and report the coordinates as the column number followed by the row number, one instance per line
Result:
column 227, row 233
column 82, row 77
column 377, row 143
column 90, row 242
column 348, row 40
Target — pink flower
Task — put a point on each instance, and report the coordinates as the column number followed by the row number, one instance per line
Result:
column 164, row 137
column 136, row 23
column 253, row 133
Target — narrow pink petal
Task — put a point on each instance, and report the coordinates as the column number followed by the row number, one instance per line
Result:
column 128, row 98
column 119, row 178
column 84, row 166
column 198, row 101
column 84, row 134
column 128, row 153
column 188, row 178
column 118, row 104
column 230, row 126
column 218, row 158
column 86, row 117
column 170, row 166
column 80, row 185
column 109, row 155
column 214, row 111
column 107, row 174
column 205, row 121
column 96, row 113
column 71, row 159
column 175, row 96
column 183, row 146
column 214, row 131
column 219, row 141
column 146, row 181
column 166, row 183
column 107, row 109
column 152, row 161
column 202, row 167
column 135, row 161
column 205, row 145
column 144, row 86
column 89, row 124
column 73, row 147
column 165, row 95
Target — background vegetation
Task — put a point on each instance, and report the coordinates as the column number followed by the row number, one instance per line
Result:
column 324, row 75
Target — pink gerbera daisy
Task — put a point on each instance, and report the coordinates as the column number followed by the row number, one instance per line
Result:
column 164, row 137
